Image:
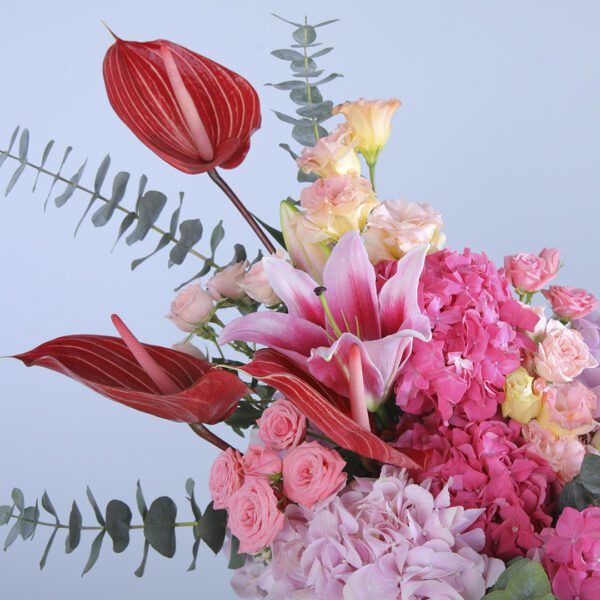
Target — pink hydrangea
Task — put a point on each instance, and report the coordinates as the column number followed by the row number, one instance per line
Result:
column 490, row 468
column 377, row 539
column 478, row 338
column 571, row 554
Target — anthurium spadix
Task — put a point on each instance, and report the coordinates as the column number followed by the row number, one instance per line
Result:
column 308, row 256
column 326, row 321
column 191, row 111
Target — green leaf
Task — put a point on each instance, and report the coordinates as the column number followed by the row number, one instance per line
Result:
column 62, row 199
column 286, row 54
column 326, row 23
column 589, row 476
column 292, row 120
column 31, row 516
column 13, row 534
column 18, row 499
column 95, row 507
column 48, row 548
column 118, row 520
column 275, row 233
column 322, row 52
column 57, row 175
column 195, row 549
column 150, row 206
column 159, row 526
column 5, row 512
column 164, row 241
column 300, row 96
column 288, row 85
column 287, row 148
column 216, row 237
column 103, row 215
column 524, row 579
column 140, row 570
column 305, row 35
column 575, row 496
column 94, row 552
column 286, row 21
column 236, row 560
column 45, row 156
column 190, row 486
column 23, row 149
column 11, row 143
column 305, row 135
column 49, row 507
column 244, row 417
column 98, row 182
column 320, row 111
column 304, row 66
column 140, row 501
column 303, row 177
column 74, row 537
column 190, row 233
column 212, row 528
column 126, row 223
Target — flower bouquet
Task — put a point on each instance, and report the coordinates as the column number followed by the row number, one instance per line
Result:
column 416, row 422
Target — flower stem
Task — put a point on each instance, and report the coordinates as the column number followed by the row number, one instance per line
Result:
column 262, row 236
column 372, row 173
column 209, row 436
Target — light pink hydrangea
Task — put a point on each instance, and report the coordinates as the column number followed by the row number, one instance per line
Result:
column 479, row 333
column 571, row 554
column 378, row 539
column 563, row 453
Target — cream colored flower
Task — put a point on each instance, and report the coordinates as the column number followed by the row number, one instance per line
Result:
column 521, row 402
column 370, row 122
column 395, row 227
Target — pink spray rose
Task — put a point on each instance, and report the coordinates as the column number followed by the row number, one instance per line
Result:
column 256, row 284
column 253, row 515
column 562, row 354
column 282, row 425
column 261, row 462
column 564, row 454
column 530, row 273
column 189, row 348
column 226, row 477
column 568, row 409
column 570, row 302
column 224, row 283
column 312, row 473
column 192, row 306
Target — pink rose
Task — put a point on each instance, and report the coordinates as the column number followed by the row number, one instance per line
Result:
column 312, row 473
column 564, row 454
column 570, row 302
column 568, row 409
column 192, row 306
column 224, row 283
column 562, row 354
column 256, row 284
column 226, row 477
column 261, row 462
column 396, row 226
column 253, row 515
column 282, row 425
column 530, row 273
column 188, row 348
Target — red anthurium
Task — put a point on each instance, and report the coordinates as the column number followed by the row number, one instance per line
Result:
column 193, row 112
column 200, row 393
column 276, row 370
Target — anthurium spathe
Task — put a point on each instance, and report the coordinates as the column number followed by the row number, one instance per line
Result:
column 191, row 111
column 324, row 323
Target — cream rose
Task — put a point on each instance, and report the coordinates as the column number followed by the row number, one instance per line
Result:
column 521, row 402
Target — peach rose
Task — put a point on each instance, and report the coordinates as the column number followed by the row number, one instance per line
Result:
column 530, row 273
column 192, row 306
column 331, row 155
column 261, row 462
column 564, row 454
column 570, row 302
column 188, row 348
column 568, row 409
column 338, row 204
column 312, row 473
column 282, row 425
column 396, row 226
column 256, row 284
column 370, row 122
column 224, row 283
column 253, row 515
column 226, row 477
column 562, row 354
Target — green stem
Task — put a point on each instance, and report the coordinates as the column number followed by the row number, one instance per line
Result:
column 308, row 86
column 158, row 230
column 372, row 174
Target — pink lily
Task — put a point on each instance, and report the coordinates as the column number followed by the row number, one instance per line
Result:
column 324, row 324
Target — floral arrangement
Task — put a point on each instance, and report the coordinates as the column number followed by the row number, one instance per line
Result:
column 422, row 423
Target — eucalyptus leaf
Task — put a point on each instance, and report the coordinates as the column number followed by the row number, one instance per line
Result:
column 98, row 182
column 162, row 243
column 118, row 520
column 216, row 237
column 126, row 223
column 49, row 507
column 288, row 85
column 57, row 176
column 306, row 95
column 11, row 143
column 94, row 552
column 13, row 534
column 287, row 148
column 103, row 215
column 305, row 135
column 5, row 513
column 589, row 476
column 286, row 54
column 62, row 199
column 322, row 52
column 95, row 507
column 44, row 558
column 31, row 516
column 150, row 206
column 575, row 496
column 190, row 486
column 212, row 528
column 305, row 35
column 75, row 523
column 292, row 120
column 18, row 499
column 236, row 560
column 304, row 65
column 320, row 111
column 326, row 23
column 286, row 20
column 195, row 548
column 142, row 568
column 159, row 526
column 140, row 500
column 45, row 156
column 190, row 233
column 23, row 149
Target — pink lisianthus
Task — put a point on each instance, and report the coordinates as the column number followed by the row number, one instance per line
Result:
column 571, row 554
column 530, row 273
column 568, row 409
column 282, row 426
column 479, row 333
column 253, row 515
column 312, row 473
column 226, row 477
column 562, row 354
column 261, row 462
column 570, row 302
column 564, row 453
column 224, row 283
column 379, row 538
column 488, row 466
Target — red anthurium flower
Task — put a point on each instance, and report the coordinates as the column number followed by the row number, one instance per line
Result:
column 199, row 393
column 194, row 113
column 325, row 410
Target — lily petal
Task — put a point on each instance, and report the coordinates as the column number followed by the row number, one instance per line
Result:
column 351, row 292
column 398, row 299
column 296, row 289
column 290, row 335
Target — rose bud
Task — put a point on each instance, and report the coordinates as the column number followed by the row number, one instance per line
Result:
column 192, row 306
column 194, row 113
column 224, row 283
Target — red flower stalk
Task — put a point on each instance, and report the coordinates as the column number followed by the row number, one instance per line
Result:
column 193, row 112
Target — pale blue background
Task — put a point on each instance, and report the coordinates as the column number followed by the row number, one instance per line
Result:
column 499, row 130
